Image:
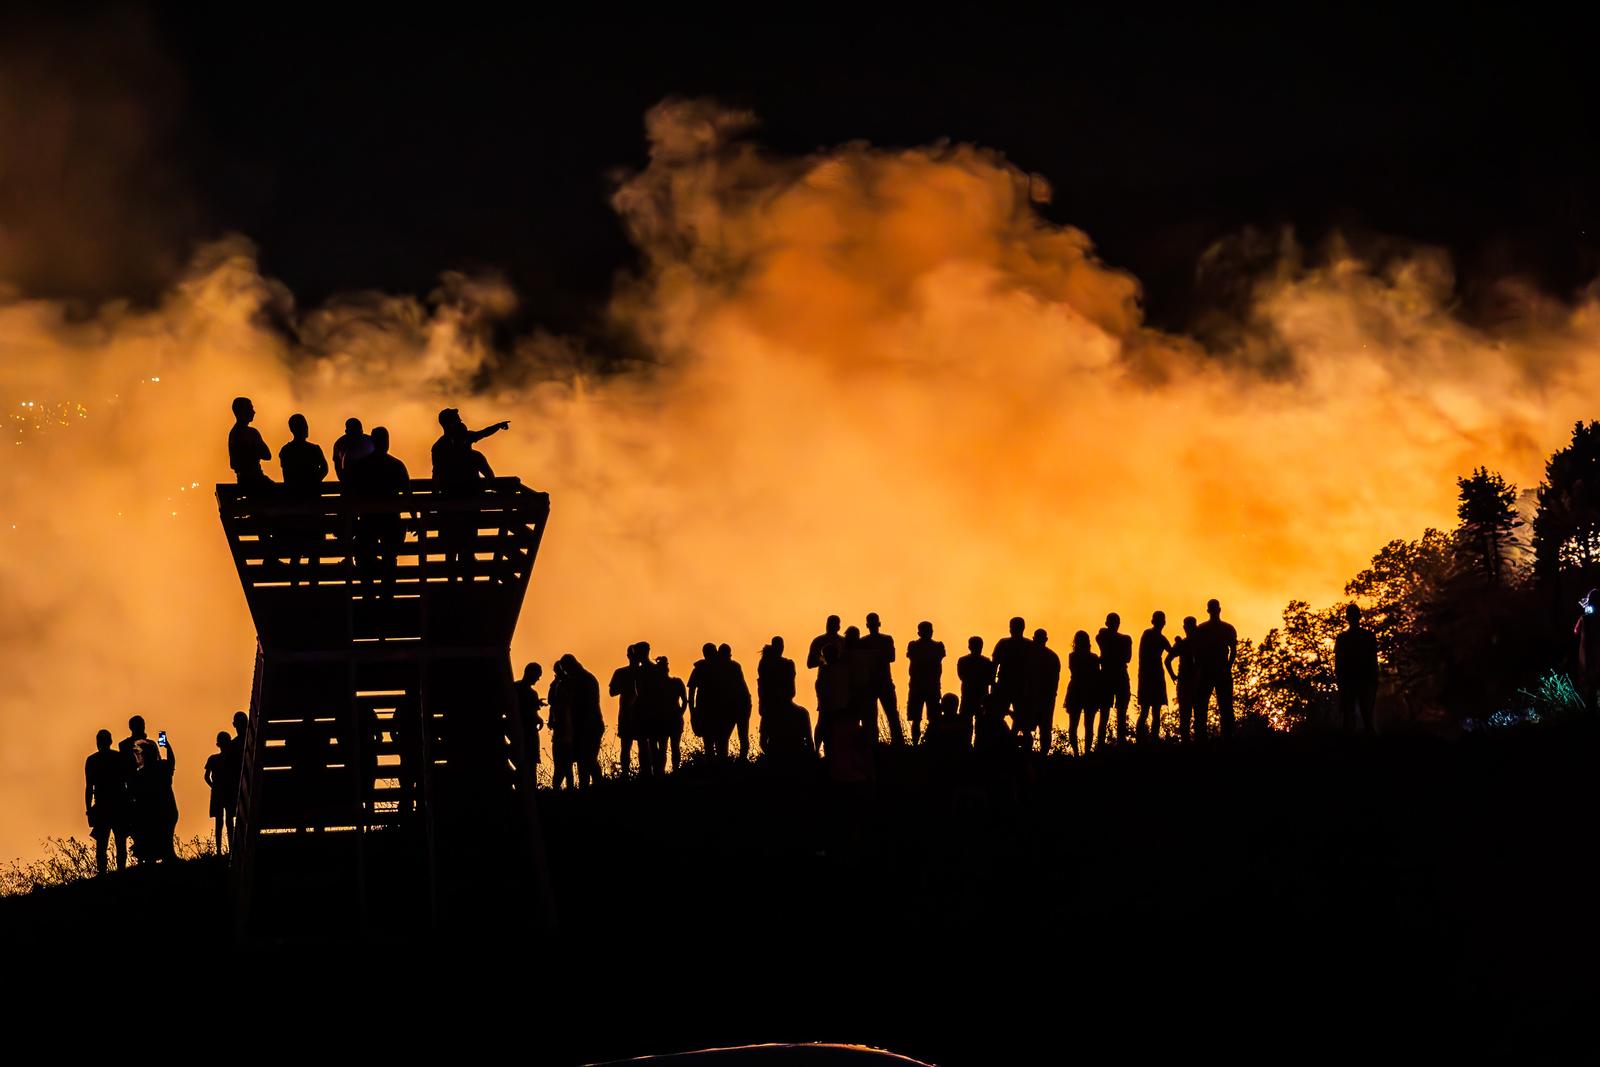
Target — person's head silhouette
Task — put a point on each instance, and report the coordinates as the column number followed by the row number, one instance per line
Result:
column 852, row 635
column 222, row 740
column 833, row 624
column 708, row 650
column 1040, row 637
column 725, row 651
column 661, row 661
column 531, row 673
column 975, row 645
column 1113, row 622
column 776, row 644
column 102, row 741
column 1352, row 614
column 352, row 426
column 243, row 410
column 643, row 648
column 1158, row 619
column 873, row 623
column 1017, row 626
column 925, row 630
column 1188, row 624
column 380, row 440
column 240, row 721
column 298, row 429
column 1080, row 641
column 136, row 726
column 1214, row 608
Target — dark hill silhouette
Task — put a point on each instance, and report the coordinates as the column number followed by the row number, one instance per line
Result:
column 1315, row 893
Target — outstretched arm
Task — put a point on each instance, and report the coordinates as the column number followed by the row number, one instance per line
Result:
column 488, row 431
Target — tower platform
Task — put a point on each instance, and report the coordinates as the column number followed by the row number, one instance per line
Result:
column 382, row 790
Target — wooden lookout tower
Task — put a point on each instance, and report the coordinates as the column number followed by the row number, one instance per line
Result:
column 382, row 789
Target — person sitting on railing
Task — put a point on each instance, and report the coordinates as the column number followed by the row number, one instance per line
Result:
column 246, row 449
column 379, row 534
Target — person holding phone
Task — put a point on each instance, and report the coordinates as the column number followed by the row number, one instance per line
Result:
column 156, row 809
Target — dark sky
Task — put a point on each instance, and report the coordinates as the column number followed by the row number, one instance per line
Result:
column 375, row 151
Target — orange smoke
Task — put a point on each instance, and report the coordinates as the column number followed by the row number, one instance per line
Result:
column 878, row 380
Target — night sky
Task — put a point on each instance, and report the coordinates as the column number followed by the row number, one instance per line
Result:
column 370, row 151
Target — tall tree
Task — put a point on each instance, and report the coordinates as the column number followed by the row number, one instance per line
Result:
column 1566, row 527
column 1487, row 536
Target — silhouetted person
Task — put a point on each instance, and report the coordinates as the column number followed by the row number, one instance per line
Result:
column 380, row 478
column 775, row 689
column 625, row 687
column 455, row 461
column 829, row 638
column 1586, row 631
column 1041, row 683
column 1116, row 651
column 837, row 723
column 881, row 647
column 589, row 726
column 677, row 703
column 1153, row 649
column 105, row 800
column 563, row 728
column 246, row 449
column 1084, row 691
column 926, row 676
column 529, row 704
column 1216, row 644
column 303, row 468
column 737, row 692
column 861, row 682
column 705, row 702
column 650, row 711
column 301, row 461
column 1010, row 673
column 350, row 449
column 215, row 774
column 233, row 770
column 1355, row 668
column 1186, row 677
column 459, row 469
column 155, row 808
column 976, row 674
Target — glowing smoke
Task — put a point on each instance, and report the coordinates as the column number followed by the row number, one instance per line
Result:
column 878, row 380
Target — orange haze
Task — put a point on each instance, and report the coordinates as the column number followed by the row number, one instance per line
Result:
column 877, row 380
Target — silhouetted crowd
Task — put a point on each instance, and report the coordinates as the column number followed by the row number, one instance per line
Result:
column 1001, row 703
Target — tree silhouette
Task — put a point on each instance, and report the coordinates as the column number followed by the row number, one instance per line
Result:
column 1487, row 537
column 1566, row 527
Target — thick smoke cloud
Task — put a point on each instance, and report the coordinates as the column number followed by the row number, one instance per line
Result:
column 862, row 380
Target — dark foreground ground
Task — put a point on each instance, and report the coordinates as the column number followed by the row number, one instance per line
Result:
column 1289, row 898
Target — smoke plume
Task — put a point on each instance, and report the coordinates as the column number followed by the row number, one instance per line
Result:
column 862, row 380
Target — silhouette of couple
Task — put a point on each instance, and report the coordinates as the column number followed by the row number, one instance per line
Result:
column 128, row 794
column 719, row 701
column 650, row 706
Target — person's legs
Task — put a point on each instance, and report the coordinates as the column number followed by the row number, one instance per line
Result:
column 1225, row 705
column 744, row 738
column 216, row 833
column 1347, row 710
column 122, row 848
column 100, row 850
column 1369, row 705
column 1121, row 695
column 891, row 708
column 1047, row 726
column 1201, row 710
column 1074, row 719
column 675, row 740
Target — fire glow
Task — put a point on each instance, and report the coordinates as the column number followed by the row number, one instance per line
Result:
column 877, row 381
